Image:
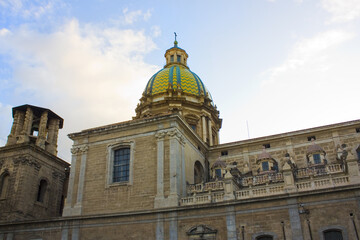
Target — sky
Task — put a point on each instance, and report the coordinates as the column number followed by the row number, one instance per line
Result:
column 272, row 66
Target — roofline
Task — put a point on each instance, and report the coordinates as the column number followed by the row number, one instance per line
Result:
column 51, row 113
column 288, row 134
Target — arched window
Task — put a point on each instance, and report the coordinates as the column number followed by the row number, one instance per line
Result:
column 333, row 234
column 41, row 191
column 4, row 183
column 265, row 237
column 198, row 172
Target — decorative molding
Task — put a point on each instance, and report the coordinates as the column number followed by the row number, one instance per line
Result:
column 27, row 160
column 58, row 175
column 160, row 135
column 80, row 149
column 201, row 230
column 172, row 133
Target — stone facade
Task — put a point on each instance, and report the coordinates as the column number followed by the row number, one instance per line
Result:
column 159, row 177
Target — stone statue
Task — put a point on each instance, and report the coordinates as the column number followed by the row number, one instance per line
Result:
column 342, row 153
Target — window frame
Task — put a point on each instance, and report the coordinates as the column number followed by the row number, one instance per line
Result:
column 121, row 165
column 41, row 194
column 263, row 234
column 4, row 187
column 111, row 148
column 322, row 230
column 317, row 158
column 267, row 164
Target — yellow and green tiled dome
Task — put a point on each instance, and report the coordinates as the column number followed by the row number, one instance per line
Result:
column 176, row 77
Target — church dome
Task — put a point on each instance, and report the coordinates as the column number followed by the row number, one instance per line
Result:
column 176, row 89
column 176, row 77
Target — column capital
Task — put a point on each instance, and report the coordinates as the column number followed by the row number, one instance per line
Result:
column 79, row 149
column 160, row 135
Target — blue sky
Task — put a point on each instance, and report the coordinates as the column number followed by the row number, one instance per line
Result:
column 278, row 65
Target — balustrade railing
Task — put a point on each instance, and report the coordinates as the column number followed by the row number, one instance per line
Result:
column 262, row 179
column 203, row 187
column 260, row 192
column 306, row 179
column 319, row 170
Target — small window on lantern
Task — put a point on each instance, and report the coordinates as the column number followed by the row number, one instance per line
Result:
column 317, row 159
column 265, row 166
column 218, row 173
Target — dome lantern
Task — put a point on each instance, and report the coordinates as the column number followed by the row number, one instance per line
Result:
column 176, row 55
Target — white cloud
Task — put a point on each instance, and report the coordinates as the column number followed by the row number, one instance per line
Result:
column 310, row 51
column 316, row 85
column 28, row 9
column 342, row 10
column 131, row 17
column 4, row 31
column 87, row 75
column 156, row 31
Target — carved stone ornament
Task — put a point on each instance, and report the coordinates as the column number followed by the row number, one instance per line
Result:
column 74, row 150
column 201, row 230
column 172, row 133
column 58, row 175
column 160, row 135
column 80, row 149
column 27, row 160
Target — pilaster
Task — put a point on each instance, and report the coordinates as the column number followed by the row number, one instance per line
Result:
column 80, row 190
column 210, row 132
column 203, row 128
column 160, row 136
column 295, row 222
column 68, row 203
column 25, row 132
column 40, row 141
column 176, row 168
column 69, row 209
column 53, row 135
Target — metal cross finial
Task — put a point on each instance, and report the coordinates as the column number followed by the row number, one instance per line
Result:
column 175, row 36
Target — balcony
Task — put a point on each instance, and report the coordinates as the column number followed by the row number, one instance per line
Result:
column 272, row 184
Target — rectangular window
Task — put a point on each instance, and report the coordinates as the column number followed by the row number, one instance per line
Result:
column 121, row 167
column 172, row 58
column 358, row 154
column 224, row 153
column 357, row 130
column 310, row 138
column 267, row 145
column 317, row 158
column 265, row 166
column 218, row 173
column 178, row 58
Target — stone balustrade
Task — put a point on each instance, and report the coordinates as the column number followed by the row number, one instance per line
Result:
column 322, row 183
column 319, row 170
column 307, row 179
column 202, row 199
column 203, row 187
column 262, row 179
